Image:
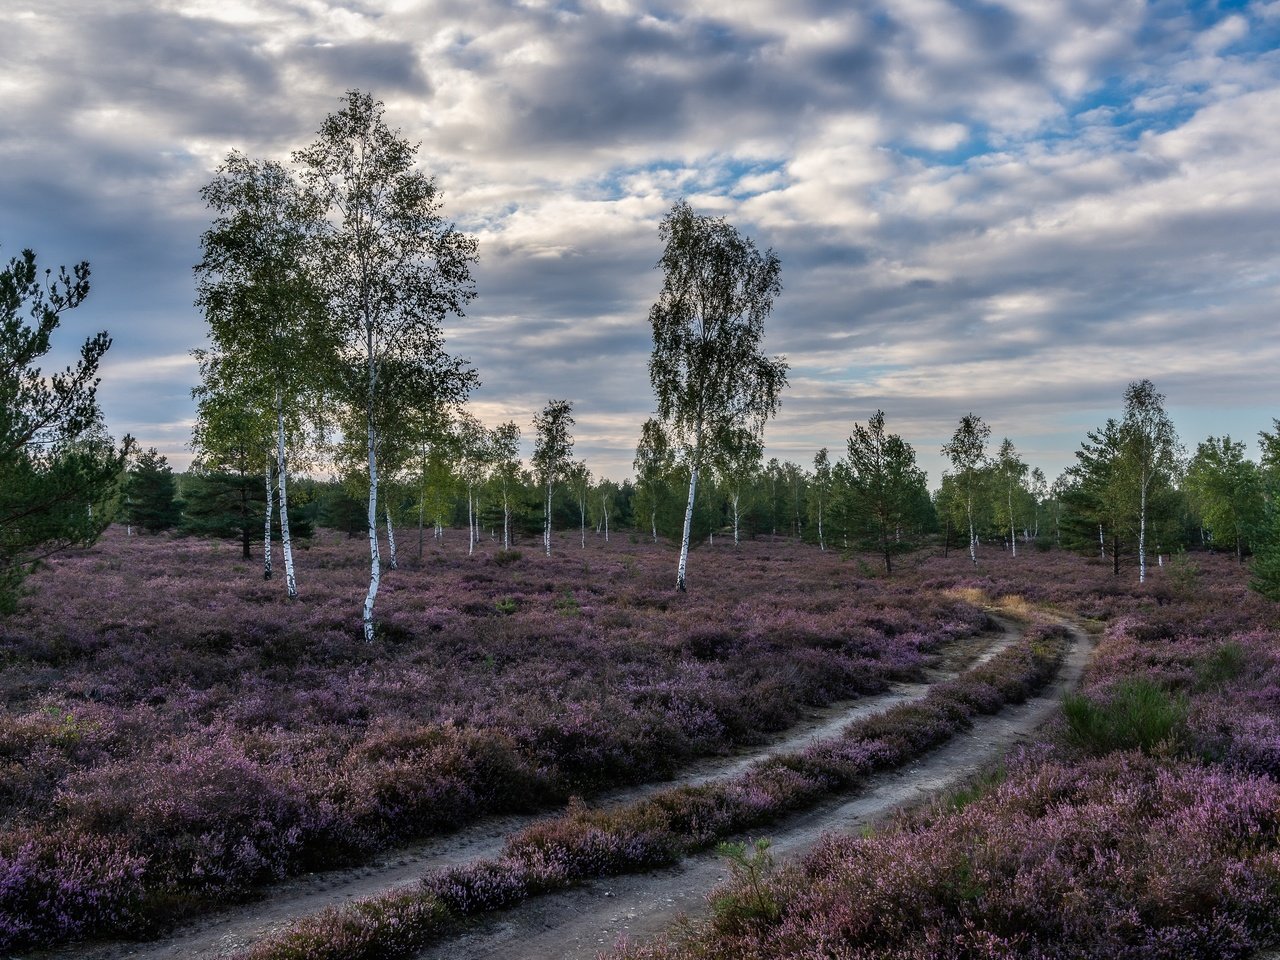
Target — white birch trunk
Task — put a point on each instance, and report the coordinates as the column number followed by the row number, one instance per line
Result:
column 375, row 559
column 1142, row 533
column 1013, row 533
column 606, row 521
column 688, row 524
column 736, row 541
column 471, row 524
column 282, row 469
column 822, row 544
column 546, row 523
column 653, row 522
column 266, row 538
column 391, row 538
column 582, row 510
column 1102, row 542
column 973, row 537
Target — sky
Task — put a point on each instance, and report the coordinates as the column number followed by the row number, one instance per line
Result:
column 1010, row 208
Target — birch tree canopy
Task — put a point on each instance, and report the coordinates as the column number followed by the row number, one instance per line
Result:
column 707, row 367
column 394, row 268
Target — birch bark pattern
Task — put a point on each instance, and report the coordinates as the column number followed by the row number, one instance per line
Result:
column 291, row 581
column 266, row 537
column 391, row 538
column 375, row 560
column 688, row 524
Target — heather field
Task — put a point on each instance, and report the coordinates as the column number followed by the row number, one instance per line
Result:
column 175, row 735
column 1145, row 824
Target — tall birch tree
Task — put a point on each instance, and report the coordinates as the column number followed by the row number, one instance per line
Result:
column 653, row 464
column 967, row 451
column 552, row 453
column 394, row 269
column 707, row 367
column 737, row 462
column 1011, row 471
column 506, row 472
column 1151, row 451
column 257, row 288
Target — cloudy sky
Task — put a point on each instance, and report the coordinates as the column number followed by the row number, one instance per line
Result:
column 1011, row 207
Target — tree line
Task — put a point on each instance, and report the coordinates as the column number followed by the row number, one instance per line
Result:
column 324, row 285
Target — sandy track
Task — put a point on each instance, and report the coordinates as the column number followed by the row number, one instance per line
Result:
column 578, row 925
column 234, row 928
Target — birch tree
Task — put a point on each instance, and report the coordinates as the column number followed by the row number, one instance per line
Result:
column 578, row 478
column 1038, row 488
column 1226, row 489
column 738, row 464
column 606, row 494
column 257, row 288
column 707, row 367
column 1010, row 471
column 653, row 464
column 552, row 453
column 506, row 472
column 394, row 269
column 1151, row 451
column 967, row 451
column 475, row 449
column 821, row 485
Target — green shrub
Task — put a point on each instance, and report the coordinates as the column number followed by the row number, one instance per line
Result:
column 748, row 901
column 1220, row 667
column 1139, row 714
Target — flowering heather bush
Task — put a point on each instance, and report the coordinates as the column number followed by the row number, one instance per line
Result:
column 200, row 736
column 585, row 843
column 1123, row 857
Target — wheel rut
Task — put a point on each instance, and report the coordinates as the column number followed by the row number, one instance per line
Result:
column 581, row 923
column 232, row 929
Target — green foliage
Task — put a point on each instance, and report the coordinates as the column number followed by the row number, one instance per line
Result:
column 59, row 472
column 1265, row 569
column 1225, row 663
column 151, row 493
column 504, row 558
column 1183, row 574
column 1138, row 714
column 1226, row 490
column 568, row 604
column 748, row 902
column 224, row 505
column 883, row 491
column 339, row 510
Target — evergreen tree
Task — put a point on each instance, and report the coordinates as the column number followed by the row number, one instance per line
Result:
column 59, row 471
column 151, row 493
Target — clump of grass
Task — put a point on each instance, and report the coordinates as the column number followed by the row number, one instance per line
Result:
column 1220, row 667
column 1139, row 714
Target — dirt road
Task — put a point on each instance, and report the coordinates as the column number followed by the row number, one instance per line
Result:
column 582, row 923
column 226, row 931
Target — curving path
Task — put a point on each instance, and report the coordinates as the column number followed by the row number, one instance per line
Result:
column 580, row 924
column 221, row 934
